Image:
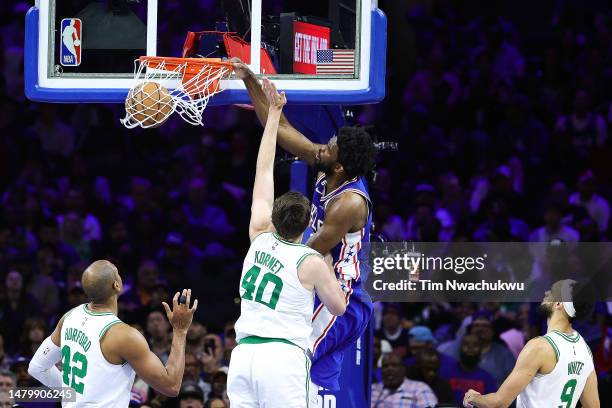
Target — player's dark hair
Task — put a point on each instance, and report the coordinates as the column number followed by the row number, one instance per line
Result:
column 290, row 214
column 355, row 151
column 583, row 297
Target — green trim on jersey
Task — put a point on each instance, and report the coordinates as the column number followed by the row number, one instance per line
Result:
column 571, row 339
column 554, row 346
column 261, row 340
column 68, row 313
column 108, row 326
column 90, row 312
column 303, row 257
column 260, row 234
column 284, row 241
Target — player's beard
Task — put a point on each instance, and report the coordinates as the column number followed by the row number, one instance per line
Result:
column 326, row 168
column 545, row 309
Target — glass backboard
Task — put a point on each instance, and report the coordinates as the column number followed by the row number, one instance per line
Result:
column 322, row 52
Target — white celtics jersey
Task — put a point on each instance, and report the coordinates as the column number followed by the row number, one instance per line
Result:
column 97, row 382
column 274, row 302
column 563, row 386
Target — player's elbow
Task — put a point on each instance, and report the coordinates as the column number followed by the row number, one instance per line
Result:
column 338, row 308
column 171, row 391
column 35, row 371
column 32, row 371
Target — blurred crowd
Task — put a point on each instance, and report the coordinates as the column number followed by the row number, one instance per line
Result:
column 503, row 130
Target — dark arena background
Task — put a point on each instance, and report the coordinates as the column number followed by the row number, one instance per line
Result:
column 501, row 111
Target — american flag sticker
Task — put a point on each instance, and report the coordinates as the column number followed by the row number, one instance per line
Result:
column 335, row 62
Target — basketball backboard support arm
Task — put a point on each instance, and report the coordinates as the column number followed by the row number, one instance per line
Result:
column 365, row 89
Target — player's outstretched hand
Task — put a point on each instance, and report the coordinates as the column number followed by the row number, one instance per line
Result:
column 275, row 99
column 181, row 315
column 240, row 68
column 469, row 397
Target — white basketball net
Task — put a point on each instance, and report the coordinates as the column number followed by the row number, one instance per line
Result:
column 187, row 98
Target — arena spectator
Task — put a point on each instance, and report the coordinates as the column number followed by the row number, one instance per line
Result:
column 193, row 368
column 5, row 360
column 195, row 338
column 426, row 369
column 17, row 306
column 392, row 330
column 8, row 380
column 158, row 329
column 397, row 391
column 465, row 374
column 190, row 396
column 597, row 206
column 34, row 331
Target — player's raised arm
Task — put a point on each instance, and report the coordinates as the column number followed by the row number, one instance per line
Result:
column 263, row 189
column 289, row 138
column 42, row 366
column 590, row 395
column 319, row 273
column 132, row 347
column 529, row 362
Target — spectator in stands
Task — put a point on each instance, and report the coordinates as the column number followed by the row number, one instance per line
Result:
column 397, row 391
column 190, row 396
column 34, row 332
column 426, row 369
column 465, row 373
column 380, row 349
column 41, row 283
column 193, row 368
column 597, row 206
column 392, row 329
column 553, row 228
column 16, row 307
column 8, row 380
column 5, row 360
column 160, row 337
column 20, row 368
column 219, row 386
column 582, row 130
column 495, row 358
column 213, row 361
column 195, row 338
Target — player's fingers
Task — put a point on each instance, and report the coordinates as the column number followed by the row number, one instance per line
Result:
column 168, row 311
column 175, row 300
column 183, row 296
column 195, row 306
column 188, row 299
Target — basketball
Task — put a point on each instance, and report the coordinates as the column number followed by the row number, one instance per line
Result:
column 150, row 104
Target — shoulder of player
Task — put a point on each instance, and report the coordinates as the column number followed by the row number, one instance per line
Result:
column 346, row 201
column 311, row 260
column 539, row 348
column 123, row 336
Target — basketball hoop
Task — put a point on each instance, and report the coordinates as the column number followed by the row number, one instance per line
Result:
column 190, row 83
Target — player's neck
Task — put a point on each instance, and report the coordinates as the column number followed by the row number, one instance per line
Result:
column 334, row 181
column 559, row 323
column 110, row 306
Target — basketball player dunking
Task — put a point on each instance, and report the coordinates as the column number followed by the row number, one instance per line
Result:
column 555, row 370
column 100, row 354
column 270, row 365
column 340, row 220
